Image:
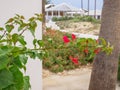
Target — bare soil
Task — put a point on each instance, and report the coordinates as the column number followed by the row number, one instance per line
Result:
column 79, row 27
column 77, row 79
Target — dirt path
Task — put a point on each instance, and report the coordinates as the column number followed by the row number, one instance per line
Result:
column 72, row 80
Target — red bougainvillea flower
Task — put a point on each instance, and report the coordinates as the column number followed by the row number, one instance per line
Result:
column 73, row 37
column 86, row 51
column 66, row 39
column 96, row 51
column 74, row 60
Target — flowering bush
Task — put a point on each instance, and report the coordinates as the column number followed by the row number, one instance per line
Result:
column 68, row 52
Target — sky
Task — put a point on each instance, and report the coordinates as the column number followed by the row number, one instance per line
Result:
column 77, row 3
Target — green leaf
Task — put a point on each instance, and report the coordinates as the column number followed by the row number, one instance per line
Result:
column 34, row 42
column 10, row 20
column 5, row 50
column 18, row 77
column 23, row 59
column 20, row 22
column 20, row 61
column 11, row 87
column 27, row 85
column 32, row 27
column 17, row 15
column 16, row 51
column 14, row 38
column 103, row 41
column 22, row 17
column 21, row 40
column 22, row 26
column 1, row 28
column 40, row 56
column 99, row 46
column 17, row 62
column 9, row 28
column 37, row 14
column 31, row 19
column 6, row 78
column 4, row 60
column 40, row 43
column 50, row 40
column 32, row 54
column 39, row 17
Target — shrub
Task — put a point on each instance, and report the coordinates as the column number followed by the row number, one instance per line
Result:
column 68, row 52
column 59, row 58
column 77, row 19
column 61, row 18
column 55, row 19
column 85, row 19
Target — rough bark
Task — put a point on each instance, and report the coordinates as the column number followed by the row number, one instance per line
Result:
column 43, row 12
column 82, row 4
column 105, row 67
column 95, row 9
column 88, row 7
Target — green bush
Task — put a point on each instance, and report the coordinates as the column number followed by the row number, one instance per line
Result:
column 77, row 19
column 61, row 18
column 55, row 19
column 58, row 52
column 57, row 58
column 85, row 19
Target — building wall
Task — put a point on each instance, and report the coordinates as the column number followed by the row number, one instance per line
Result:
column 27, row 8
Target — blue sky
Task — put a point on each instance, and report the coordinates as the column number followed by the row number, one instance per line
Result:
column 77, row 3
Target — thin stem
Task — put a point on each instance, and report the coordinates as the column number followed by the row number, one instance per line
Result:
column 23, row 30
column 3, row 35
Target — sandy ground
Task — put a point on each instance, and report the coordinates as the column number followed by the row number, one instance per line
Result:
column 77, row 79
column 80, row 27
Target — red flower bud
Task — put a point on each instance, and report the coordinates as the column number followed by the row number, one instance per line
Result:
column 73, row 37
column 96, row 51
column 86, row 51
column 74, row 60
column 66, row 39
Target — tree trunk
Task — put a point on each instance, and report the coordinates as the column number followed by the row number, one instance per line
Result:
column 105, row 67
column 95, row 10
column 43, row 12
column 82, row 4
column 88, row 7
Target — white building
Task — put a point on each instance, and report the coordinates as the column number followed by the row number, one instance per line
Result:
column 49, row 6
column 62, row 10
